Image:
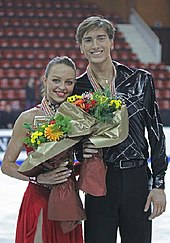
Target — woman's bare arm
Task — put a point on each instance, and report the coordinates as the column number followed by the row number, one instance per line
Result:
column 9, row 166
column 15, row 145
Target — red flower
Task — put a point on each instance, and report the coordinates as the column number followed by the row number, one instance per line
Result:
column 93, row 103
column 52, row 122
column 87, row 107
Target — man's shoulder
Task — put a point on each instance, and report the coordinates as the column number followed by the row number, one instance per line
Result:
column 82, row 84
column 130, row 70
column 82, row 77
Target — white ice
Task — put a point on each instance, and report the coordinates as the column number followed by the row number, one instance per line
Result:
column 11, row 192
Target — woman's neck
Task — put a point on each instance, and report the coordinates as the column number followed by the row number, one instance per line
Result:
column 53, row 106
column 49, row 108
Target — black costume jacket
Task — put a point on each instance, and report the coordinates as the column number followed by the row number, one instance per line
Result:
column 136, row 88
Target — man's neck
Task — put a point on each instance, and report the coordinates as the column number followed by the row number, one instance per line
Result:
column 103, row 71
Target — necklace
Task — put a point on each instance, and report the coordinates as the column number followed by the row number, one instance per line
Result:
column 53, row 107
column 103, row 78
column 98, row 85
column 104, row 82
column 48, row 107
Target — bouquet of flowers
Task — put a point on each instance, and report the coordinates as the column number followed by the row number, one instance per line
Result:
column 97, row 116
column 108, row 111
column 100, row 105
column 45, row 131
column 54, row 129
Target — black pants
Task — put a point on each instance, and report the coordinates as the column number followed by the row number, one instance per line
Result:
column 122, row 207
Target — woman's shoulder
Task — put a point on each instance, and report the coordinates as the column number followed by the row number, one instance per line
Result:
column 28, row 115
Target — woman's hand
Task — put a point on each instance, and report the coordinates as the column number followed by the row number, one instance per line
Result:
column 89, row 149
column 55, row 176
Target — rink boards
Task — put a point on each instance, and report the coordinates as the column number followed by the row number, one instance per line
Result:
column 5, row 135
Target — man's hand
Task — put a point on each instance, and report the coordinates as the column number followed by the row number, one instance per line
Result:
column 158, row 198
column 89, row 149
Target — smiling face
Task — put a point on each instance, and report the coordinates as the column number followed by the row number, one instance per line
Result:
column 60, row 83
column 96, row 45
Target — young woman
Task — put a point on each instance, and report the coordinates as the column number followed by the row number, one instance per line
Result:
column 33, row 225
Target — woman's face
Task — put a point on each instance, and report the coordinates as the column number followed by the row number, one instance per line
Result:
column 60, row 83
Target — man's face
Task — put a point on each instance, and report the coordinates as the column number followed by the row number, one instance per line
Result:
column 96, row 45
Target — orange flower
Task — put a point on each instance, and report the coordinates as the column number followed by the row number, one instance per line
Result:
column 53, row 135
column 80, row 103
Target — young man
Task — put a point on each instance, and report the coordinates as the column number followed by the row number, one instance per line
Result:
column 129, row 200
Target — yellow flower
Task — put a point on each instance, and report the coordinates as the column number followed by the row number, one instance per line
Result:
column 40, row 134
column 102, row 99
column 73, row 98
column 32, row 140
column 112, row 102
column 53, row 135
column 117, row 103
column 78, row 96
column 34, row 135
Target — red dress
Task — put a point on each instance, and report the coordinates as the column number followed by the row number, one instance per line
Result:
column 34, row 200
